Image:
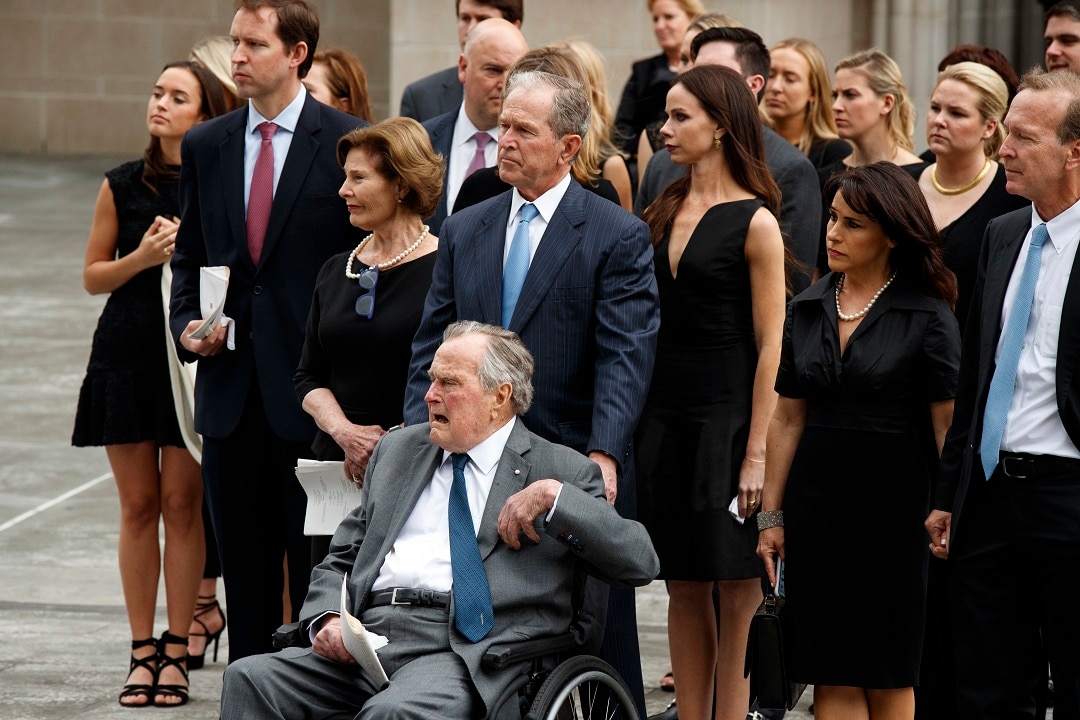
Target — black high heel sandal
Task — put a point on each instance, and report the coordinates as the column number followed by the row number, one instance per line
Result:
column 195, row 662
column 138, row 689
column 180, row 663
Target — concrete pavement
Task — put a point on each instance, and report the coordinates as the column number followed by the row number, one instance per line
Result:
column 63, row 652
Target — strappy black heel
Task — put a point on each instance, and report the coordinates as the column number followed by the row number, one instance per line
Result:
column 206, row 605
column 140, row 689
column 165, row 660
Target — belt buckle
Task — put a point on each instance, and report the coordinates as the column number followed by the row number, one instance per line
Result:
column 1024, row 467
column 394, row 599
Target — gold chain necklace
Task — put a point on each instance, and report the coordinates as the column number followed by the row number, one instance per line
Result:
column 963, row 188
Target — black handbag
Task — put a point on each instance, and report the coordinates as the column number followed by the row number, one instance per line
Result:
column 769, row 684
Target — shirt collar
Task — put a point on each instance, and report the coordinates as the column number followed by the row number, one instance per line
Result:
column 285, row 120
column 486, row 455
column 464, row 129
column 546, row 204
column 1063, row 229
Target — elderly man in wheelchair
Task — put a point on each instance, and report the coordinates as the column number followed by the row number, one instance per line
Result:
column 468, row 541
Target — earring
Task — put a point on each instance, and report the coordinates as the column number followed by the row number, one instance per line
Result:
column 717, row 144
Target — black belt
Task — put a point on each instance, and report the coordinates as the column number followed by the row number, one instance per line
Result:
column 409, row 596
column 1021, row 466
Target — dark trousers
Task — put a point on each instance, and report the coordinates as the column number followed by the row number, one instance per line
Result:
column 1015, row 580
column 257, row 507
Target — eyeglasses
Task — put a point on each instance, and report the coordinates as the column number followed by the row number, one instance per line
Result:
column 365, row 304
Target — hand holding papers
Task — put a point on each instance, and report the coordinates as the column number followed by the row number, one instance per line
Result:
column 360, row 643
column 330, row 496
column 213, row 287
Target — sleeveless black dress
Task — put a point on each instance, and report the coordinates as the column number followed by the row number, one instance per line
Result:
column 126, row 396
column 692, row 436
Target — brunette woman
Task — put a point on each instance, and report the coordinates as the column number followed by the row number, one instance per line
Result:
column 126, row 401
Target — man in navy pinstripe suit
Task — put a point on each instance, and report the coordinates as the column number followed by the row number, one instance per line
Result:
column 588, row 309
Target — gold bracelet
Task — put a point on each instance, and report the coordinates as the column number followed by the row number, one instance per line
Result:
column 760, row 462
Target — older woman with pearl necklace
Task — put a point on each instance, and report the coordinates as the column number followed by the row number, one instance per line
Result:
column 965, row 188
column 368, row 302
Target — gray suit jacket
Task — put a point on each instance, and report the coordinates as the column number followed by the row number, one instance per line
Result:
column 433, row 95
column 800, row 208
column 530, row 588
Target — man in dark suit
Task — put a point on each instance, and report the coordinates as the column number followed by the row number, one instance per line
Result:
column 441, row 92
column 467, row 136
column 744, row 51
column 583, row 299
column 1007, row 510
column 534, row 511
column 258, row 194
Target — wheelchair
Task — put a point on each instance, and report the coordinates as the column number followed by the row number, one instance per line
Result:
column 578, row 687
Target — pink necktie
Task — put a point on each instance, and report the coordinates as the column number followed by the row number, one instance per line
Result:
column 478, row 159
column 261, row 198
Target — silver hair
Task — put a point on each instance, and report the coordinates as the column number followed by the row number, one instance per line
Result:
column 570, row 110
column 505, row 360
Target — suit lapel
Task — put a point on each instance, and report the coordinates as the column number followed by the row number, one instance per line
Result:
column 511, row 477
column 1068, row 343
column 302, row 153
column 560, row 239
column 998, row 271
column 490, row 240
column 231, row 162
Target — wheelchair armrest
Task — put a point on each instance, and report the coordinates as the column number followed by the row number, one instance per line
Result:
column 291, row 635
column 499, row 656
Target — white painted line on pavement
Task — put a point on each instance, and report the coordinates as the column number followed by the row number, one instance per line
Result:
column 55, row 501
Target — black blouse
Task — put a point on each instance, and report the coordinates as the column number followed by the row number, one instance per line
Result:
column 365, row 363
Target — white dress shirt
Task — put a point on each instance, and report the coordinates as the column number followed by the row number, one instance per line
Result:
column 462, row 150
column 286, row 121
column 1034, row 424
column 420, row 557
column 546, row 205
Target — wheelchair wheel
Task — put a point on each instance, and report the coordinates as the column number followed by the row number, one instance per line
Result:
column 583, row 688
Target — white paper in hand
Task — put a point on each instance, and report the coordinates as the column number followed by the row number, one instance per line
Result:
column 213, row 287
column 330, row 496
column 360, row 643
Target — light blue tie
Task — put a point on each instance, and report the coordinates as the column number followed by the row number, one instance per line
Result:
column 517, row 264
column 1002, row 386
column 472, row 595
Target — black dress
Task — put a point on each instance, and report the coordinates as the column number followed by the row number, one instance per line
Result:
column 691, row 439
column 858, row 490
column 824, row 153
column 126, row 396
column 365, row 363
column 963, row 237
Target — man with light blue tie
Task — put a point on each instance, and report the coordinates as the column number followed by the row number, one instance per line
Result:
column 467, row 136
column 1007, row 511
column 586, row 304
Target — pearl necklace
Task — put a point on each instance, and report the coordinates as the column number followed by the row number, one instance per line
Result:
column 381, row 266
column 861, row 313
column 963, row 188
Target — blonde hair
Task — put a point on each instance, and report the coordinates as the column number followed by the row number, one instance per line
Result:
column 603, row 114
column 993, row 97
column 690, row 7
column 215, row 54
column 885, row 78
column 707, row 21
column 402, row 151
column 819, row 123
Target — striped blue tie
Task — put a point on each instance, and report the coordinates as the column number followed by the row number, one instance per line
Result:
column 472, row 595
column 1000, row 396
column 517, row 263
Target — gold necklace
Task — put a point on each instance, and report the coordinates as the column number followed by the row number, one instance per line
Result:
column 963, row 188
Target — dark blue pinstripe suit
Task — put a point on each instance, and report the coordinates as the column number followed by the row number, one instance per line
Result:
column 589, row 313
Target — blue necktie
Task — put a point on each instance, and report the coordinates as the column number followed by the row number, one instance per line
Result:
column 1002, row 386
column 517, row 264
column 472, row 595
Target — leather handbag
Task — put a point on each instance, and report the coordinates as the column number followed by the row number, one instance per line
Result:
column 769, row 684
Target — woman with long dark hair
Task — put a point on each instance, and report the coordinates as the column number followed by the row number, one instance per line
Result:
column 869, row 364
column 126, row 402
column 719, row 261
